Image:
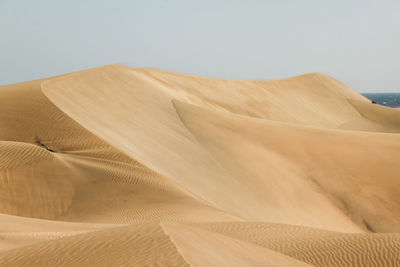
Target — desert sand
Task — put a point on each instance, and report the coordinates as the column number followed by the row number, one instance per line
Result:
column 116, row 166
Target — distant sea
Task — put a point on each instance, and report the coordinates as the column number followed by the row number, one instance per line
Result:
column 385, row 99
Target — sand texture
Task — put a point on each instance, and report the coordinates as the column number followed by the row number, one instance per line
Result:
column 115, row 166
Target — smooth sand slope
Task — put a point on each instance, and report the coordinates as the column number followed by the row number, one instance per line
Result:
column 116, row 166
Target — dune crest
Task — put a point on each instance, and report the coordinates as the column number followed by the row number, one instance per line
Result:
column 139, row 167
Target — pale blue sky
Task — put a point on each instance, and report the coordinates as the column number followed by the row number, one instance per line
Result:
column 355, row 41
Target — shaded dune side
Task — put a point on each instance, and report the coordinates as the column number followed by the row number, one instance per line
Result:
column 289, row 166
column 33, row 181
column 28, row 116
column 82, row 169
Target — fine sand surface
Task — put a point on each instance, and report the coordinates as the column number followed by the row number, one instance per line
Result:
column 116, row 166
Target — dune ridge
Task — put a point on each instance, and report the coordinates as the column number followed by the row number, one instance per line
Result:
column 115, row 166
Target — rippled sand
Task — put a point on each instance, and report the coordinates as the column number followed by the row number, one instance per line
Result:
column 116, row 166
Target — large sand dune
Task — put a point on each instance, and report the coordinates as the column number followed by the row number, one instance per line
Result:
column 116, row 166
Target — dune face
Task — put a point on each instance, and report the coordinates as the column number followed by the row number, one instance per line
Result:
column 116, row 166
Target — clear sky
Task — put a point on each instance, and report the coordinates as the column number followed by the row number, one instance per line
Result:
column 355, row 41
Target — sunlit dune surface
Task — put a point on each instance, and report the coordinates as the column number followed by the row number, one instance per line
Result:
column 115, row 166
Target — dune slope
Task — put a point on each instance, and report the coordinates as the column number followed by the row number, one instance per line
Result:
column 116, row 166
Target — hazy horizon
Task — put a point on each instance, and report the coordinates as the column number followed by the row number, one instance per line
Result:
column 355, row 42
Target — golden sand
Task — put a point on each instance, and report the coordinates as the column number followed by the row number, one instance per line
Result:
column 116, row 166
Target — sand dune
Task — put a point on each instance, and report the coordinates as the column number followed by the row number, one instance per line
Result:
column 358, row 175
column 116, row 166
